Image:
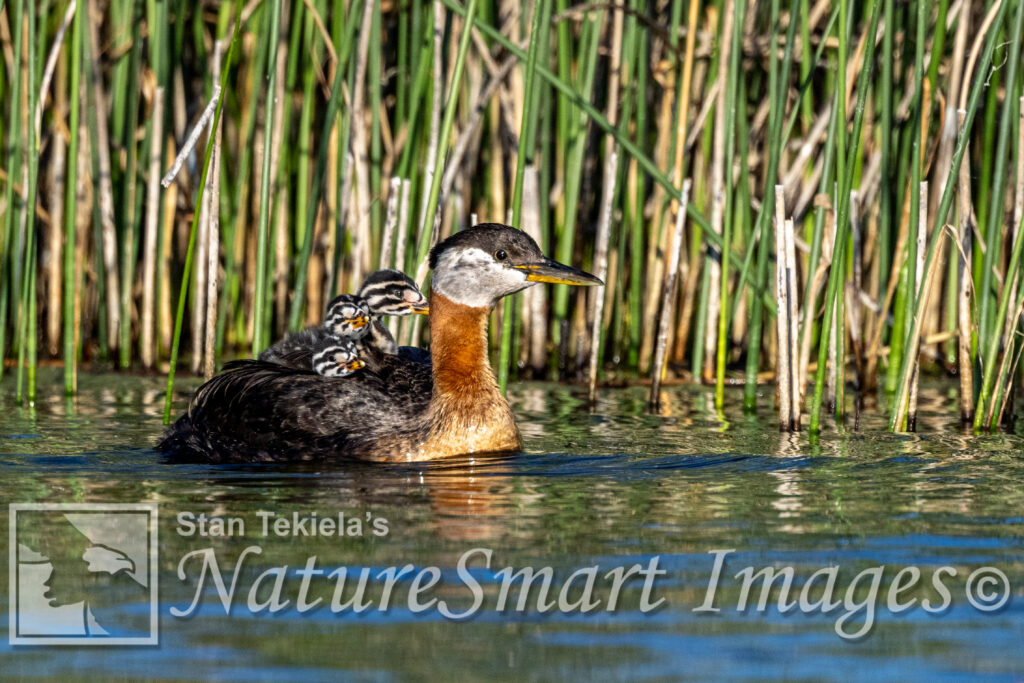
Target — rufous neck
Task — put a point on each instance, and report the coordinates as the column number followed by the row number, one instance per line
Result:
column 458, row 347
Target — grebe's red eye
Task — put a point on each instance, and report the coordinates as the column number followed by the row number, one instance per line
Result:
column 500, row 255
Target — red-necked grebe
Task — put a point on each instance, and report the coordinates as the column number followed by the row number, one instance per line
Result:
column 404, row 411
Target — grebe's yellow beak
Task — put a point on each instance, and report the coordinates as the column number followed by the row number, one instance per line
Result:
column 557, row 273
column 360, row 322
column 422, row 308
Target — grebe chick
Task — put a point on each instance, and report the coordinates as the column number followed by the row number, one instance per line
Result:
column 389, row 292
column 337, row 360
column 347, row 317
column 383, row 293
column 404, row 411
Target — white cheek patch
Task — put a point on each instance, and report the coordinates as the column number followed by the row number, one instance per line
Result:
column 472, row 277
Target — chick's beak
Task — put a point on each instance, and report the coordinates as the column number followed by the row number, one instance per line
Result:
column 354, row 365
column 421, row 307
column 557, row 273
column 360, row 322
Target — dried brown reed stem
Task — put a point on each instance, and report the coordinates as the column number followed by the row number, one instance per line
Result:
column 433, row 146
column 719, row 167
column 818, row 280
column 324, row 33
column 83, row 224
column 684, row 93
column 835, row 374
column 104, row 188
column 435, row 113
column 1018, row 194
column 212, row 262
column 966, row 224
column 922, row 238
column 689, row 270
column 950, row 125
column 795, row 391
column 914, row 335
column 534, row 298
column 193, row 137
column 900, row 253
column 361, row 151
column 213, row 235
column 391, row 220
column 51, row 61
column 280, row 199
column 668, row 297
column 471, row 131
column 198, row 312
column 403, row 223
column 147, row 350
column 165, row 319
column 658, row 243
column 854, row 284
column 979, row 42
column 604, row 224
column 786, row 294
column 52, row 256
column 795, row 178
column 343, row 211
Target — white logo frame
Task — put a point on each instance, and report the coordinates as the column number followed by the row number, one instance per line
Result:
column 152, row 527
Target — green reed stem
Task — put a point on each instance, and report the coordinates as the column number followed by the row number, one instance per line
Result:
column 7, row 278
column 638, row 223
column 70, row 203
column 427, row 229
column 828, row 165
column 129, row 245
column 259, row 342
column 576, row 138
column 845, row 183
column 578, row 100
column 27, row 321
column 373, row 74
column 912, row 286
column 538, row 37
column 986, row 415
column 302, row 267
column 885, row 190
column 727, row 225
column 777, row 94
column 947, row 193
column 994, row 226
column 186, row 275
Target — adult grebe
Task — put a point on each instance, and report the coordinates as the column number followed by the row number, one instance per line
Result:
column 406, row 410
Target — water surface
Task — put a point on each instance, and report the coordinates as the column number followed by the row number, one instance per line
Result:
column 615, row 487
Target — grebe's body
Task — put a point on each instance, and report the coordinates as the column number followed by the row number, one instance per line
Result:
column 403, row 411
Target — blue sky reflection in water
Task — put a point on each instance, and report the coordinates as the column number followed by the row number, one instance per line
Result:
column 614, row 488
